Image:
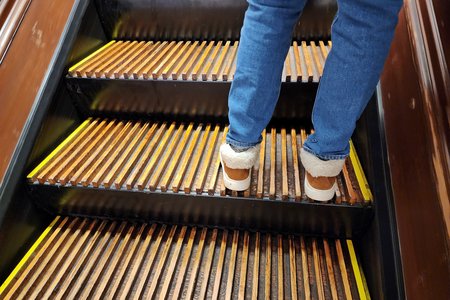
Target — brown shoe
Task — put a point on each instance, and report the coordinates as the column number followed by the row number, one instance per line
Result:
column 320, row 179
column 237, row 166
column 320, row 188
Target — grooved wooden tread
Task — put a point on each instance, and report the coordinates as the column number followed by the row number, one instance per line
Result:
column 182, row 158
column 79, row 258
column 192, row 61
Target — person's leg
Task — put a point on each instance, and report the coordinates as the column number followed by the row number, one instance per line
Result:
column 361, row 35
column 265, row 39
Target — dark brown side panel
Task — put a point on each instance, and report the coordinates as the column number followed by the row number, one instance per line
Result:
column 413, row 153
column 24, row 67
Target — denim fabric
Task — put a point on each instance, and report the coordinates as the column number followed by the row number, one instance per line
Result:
column 361, row 35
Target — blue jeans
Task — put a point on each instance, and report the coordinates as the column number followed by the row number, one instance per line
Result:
column 361, row 35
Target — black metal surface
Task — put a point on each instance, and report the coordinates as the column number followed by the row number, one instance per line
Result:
column 243, row 213
column 193, row 19
column 380, row 242
column 184, row 99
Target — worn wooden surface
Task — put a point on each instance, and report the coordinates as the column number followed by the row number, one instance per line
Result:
column 417, row 140
column 24, row 67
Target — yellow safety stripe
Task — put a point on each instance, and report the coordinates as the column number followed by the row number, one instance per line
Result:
column 360, row 177
column 363, row 295
column 90, row 56
column 27, row 255
column 59, row 148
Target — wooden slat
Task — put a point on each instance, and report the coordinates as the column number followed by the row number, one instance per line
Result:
column 175, row 160
column 317, row 58
column 262, row 158
column 165, row 158
column 287, row 66
column 255, row 281
column 179, row 66
column 124, row 263
column 198, row 155
column 148, row 59
column 343, row 269
column 187, row 158
column 207, row 160
column 298, row 66
column 101, row 70
column 192, row 62
column 268, row 268
column 273, row 155
column 113, row 264
column 280, row 268
column 57, row 271
column 136, row 155
column 220, row 61
column 93, row 169
column 351, row 191
column 305, row 272
column 232, row 265
column 219, row 267
column 175, row 61
column 199, row 66
column 158, row 58
column 209, row 259
column 133, row 58
column 141, row 182
column 84, row 156
column 109, row 71
column 308, row 61
column 210, row 62
column 148, row 266
column 293, row 267
column 110, row 165
column 244, row 261
column 173, row 264
column 145, row 157
column 90, row 160
column 158, row 70
column 93, row 276
column 317, row 271
column 330, row 270
column 138, row 263
column 94, row 259
column 85, row 278
column 140, row 59
column 95, row 62
column 195, row 267
column 150, row 294
column 74, row 155
column 284, row 166
column 216, row 166
column 295, row 161
column 185, row 261
column 90, row 58
column 111, row 176
column 231, row 59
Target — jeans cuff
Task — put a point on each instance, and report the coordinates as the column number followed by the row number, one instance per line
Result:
column 240, row 144
column 326, row 156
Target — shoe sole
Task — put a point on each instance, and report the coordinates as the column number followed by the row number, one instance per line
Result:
column 320, row 195
column 235, row 185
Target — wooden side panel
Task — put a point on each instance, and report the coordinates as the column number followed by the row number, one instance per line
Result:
column 24, row 67
column 417, row 159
